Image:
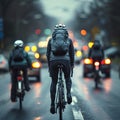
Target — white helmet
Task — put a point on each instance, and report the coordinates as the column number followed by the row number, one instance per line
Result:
column 18, row 43
column 59, row 26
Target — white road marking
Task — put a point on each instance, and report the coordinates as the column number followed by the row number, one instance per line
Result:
column 76, row 113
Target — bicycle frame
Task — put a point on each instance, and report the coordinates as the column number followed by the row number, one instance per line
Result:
column 60, row 96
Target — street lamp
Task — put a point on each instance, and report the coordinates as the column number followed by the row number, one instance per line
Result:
column 83, row 32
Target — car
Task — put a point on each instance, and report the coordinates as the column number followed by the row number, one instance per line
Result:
column 88, row 66
column 112, row 52
column 35, row 71
column 30, row 47
column 42, row 49
column 3, row 63
column 78, row 55
column 43, row 57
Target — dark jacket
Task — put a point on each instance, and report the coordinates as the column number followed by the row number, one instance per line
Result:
column 96, row 53
column 25, row 63
column 69, row 56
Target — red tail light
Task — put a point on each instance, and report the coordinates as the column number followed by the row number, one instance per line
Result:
column 96, row 63
column 19, row 78
column 88, row 61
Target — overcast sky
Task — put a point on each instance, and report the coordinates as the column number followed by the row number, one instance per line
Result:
column 63, row 10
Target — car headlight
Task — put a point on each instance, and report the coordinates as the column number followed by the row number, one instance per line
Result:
column 88, row 61
column 36, row 65
column 37, row 55
column 78, row 53
column 106, row 61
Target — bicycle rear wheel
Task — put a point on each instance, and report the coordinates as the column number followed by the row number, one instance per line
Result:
column 97, row 78
column 20, row 94
column 60, row 105
column 20, row 101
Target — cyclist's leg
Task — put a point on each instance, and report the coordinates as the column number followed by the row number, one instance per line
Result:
column 13, row 85
column 68, row 81
column 53, row 89
column 26, row 82
column 54, row 77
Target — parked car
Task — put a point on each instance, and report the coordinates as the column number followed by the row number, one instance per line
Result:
column 112, row 52
column 35, row 71
column 3, row 63
column 88, row 67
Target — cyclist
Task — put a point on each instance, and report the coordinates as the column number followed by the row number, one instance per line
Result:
column 14, row 66
column 66, row 60
column 96, row 52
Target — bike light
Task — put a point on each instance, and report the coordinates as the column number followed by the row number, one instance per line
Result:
column 96, row 63
column 36, row 65
column 19, row 78
column 88, row 61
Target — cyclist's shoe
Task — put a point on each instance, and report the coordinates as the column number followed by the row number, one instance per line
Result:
column 52, row 109
column 69, row 98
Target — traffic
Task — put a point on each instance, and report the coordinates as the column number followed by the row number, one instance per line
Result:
column 59, row 60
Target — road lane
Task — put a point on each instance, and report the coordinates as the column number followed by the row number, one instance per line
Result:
column 88, row 103
column 36, row 103
column 97, row 104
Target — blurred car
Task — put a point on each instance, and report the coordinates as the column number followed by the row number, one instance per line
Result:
column 43, row 57
column 78, row 56
column 88, row 67
column 30, row 47
column 3, row 63
column 42, row 49
column 112, row 52
column 35, row 71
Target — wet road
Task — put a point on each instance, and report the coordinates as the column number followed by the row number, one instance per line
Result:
column 88, row 103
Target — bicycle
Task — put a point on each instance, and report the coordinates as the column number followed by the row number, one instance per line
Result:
column 60, row 99
column 20, row 88
column 96, row 73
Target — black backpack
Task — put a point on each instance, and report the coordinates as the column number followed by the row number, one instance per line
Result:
column 18, row 55
column 97, row 54
column 60, row 42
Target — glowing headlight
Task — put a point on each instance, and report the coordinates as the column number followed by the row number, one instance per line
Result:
column 78, row 53
column 27, row 48
column 36, row 65
column 37, row 55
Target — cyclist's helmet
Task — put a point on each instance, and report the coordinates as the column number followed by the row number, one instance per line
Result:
column 18, row 43
column 97, row 44
column 60, row 26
